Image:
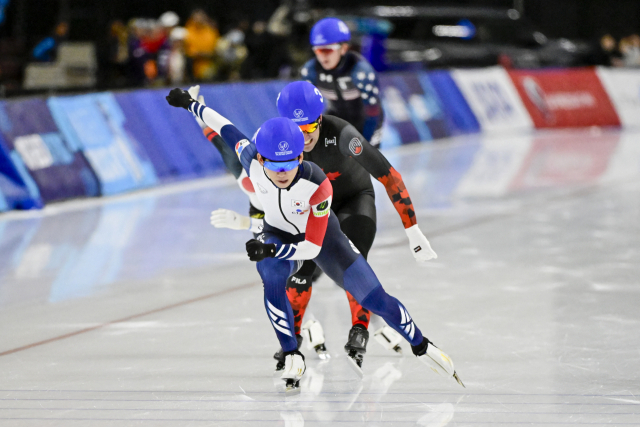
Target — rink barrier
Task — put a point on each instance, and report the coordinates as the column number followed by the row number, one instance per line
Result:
column 564, row 98
column 108, row 143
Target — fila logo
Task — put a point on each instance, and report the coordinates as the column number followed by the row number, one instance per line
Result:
column 332, row 141
column 298, row 281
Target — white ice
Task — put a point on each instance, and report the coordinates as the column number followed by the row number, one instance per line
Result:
column 134, row 311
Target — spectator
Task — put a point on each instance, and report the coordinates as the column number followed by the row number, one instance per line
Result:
column 113, row 56
column 176, row 61
column 232, row 52
column 630, row 50
column 604, row 52
column 258, row 64
column 200, row 45
column 47, row 49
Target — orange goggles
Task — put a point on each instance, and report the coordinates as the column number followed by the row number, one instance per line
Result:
column 326, row 49
column 309, row 128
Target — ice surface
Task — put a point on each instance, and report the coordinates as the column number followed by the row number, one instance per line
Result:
column 134, row 311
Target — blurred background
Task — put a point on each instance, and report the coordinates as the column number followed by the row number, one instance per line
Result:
column 79, row 45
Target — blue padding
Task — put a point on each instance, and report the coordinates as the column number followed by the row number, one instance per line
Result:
column 94, row 124
column 461, row 119
column 58, row 171
column 17, row 189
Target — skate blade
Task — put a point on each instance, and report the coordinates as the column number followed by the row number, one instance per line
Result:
column 292, row 388
column 324, row 355
column 354, row 365
column 455, row 375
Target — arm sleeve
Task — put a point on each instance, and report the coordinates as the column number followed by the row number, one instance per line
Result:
column 234, row 139
column 310, row 247
column 352, row 144
column 366, row 80
column 227, row 153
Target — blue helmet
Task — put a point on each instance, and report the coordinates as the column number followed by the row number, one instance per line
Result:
column 301, row 102
column 329, row 31
column 280, row 142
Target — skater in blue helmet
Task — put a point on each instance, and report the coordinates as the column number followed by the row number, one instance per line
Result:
column 298, row 226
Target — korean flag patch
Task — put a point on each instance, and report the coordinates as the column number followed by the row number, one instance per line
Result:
column 240, row 145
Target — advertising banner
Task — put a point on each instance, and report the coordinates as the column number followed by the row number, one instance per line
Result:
column 460, row 118
column 15, row 193
column 412, row 110
column 623, row 87
column 493, row 99
column 564, row 98
column 58, row 170
column 93, row 124
column 172, row 139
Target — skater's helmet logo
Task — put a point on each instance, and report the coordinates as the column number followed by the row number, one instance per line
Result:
column 355, row 146
column 298, row 113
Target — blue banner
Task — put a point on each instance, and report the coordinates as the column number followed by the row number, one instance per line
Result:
column 460, row 118
column 94, row 125
column 38, row 147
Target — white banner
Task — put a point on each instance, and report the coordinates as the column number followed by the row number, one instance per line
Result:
column 493, row 99
column 623, row 87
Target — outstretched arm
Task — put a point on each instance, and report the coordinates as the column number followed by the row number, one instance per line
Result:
column 220, row 124
column 353, row 144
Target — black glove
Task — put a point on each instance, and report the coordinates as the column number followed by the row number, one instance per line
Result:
column 258, row 251
column 179, row 98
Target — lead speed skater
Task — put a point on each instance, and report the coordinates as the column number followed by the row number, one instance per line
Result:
column 274, row 162
column 349, row 162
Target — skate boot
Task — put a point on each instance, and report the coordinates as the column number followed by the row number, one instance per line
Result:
column 313, row 332
column 279, row 355
column 294, row 368
column 389, row 339
column 436, row 359
column 356, row 347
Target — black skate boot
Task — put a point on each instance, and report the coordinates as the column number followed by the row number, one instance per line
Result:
column 279, row 355
column 356, row 347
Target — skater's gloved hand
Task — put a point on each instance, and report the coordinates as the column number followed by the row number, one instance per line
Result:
column 258, row 251
column 179, row 98
column 224, row 218
column 419, row 244
column 194, row 91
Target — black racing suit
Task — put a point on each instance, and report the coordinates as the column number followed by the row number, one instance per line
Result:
column 351, row 92
column 349, row 161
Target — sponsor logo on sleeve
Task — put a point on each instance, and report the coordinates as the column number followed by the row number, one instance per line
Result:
column 240, row 145
column 322, row 209
column 332, row 141
column 355, row 146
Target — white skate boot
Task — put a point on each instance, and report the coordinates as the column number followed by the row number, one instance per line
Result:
column 389, row 339
column 313, row 332
column 294, row 368
column 436, row 359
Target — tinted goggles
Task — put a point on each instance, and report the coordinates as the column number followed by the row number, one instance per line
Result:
column 281, row 166
column 327, row 49
column 309, row 128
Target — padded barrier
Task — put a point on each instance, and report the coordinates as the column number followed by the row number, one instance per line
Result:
column 93, row 124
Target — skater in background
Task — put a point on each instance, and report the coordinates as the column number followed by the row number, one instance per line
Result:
column 298, row 226
column 349, row 162
column 347, row 81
